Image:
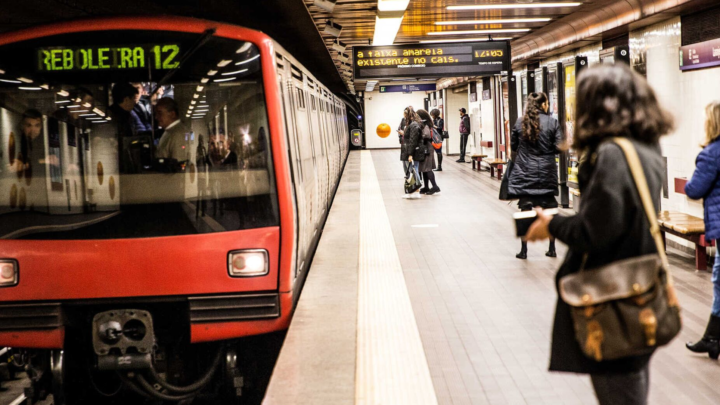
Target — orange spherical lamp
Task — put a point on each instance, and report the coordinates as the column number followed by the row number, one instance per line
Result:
column 383, row 130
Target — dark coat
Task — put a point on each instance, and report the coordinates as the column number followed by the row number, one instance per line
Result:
column 610, row 226
column 535, row 171
column 412, row 142
column 439, row 124
column 705, row 183
column 401, row 127
column 466, row 120
column 428, row 164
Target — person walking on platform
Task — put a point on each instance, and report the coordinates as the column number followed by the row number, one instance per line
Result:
column 536, row 139
column 412, row 150
column 427, row 165
column 401, row 133
column 705, row 184
column 439, row 124
column 464, row 133
column 612, row 223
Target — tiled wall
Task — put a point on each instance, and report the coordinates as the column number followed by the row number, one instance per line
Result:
column 685, row 95
column 387, row 108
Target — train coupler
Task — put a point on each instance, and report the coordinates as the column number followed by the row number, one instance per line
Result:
column 123, row 339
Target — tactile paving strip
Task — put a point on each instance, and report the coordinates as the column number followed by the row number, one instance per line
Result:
column 391, row 364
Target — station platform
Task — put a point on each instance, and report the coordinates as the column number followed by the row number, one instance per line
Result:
column 423, row 302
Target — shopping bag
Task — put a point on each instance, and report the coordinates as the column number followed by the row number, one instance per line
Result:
column 412, row 179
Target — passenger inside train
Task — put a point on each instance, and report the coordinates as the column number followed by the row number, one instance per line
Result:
column 133, row 141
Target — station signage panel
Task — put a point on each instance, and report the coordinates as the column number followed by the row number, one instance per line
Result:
column 432, row 60
column 701, row 55
column 407, row 88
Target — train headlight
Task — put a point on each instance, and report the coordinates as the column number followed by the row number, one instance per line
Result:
column 8, row 272
column 248, row 263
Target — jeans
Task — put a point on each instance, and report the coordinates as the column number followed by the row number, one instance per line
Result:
column 439, row 157
column 463, row 145
column 622, row 388
column 405, row 166
column 716, row 284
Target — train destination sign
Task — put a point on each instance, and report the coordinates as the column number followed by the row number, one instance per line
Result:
column 159, row 56
column 700, row 55
column 437, row 60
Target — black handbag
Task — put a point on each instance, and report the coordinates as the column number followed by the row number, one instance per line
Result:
column 628, row 307
column 445, row 135
column 505, row 184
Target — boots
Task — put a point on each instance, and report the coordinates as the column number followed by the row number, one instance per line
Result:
column 551, row 250
column 523, row 252
column 710, row 343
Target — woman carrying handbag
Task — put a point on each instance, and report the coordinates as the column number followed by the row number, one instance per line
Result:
column 616, row 303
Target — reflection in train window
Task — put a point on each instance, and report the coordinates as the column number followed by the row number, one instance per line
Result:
column 160, row 134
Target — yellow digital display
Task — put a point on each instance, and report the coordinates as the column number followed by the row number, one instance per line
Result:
column 450, row 59
column 56, row 59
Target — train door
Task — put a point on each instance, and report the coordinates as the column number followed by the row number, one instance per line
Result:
column 286, row 88
column 307, row 161
column 328, row 148
column 320, row 158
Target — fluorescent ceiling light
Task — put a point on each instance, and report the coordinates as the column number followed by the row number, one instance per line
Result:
column 86, row 115
column 204, row 80
column 435, row 41
column 196, row 95
column 234, row 73
column 244, row 47
column 242, row 62
column 192, row 102
column 199, row 88
column 24, row 80
column 495, row 21
column 392, row 5
column 505, row 6
column 30, row 88
column 10, row 81
column 224, row 63
column 212, row 72
column 98, row 111
column 45, row 86
column 62, row 101
column 385, row 30
column 63, row 93
column 73, row 106
column 79, row 111
column 479, row 31
column 99, row 122
column 224, row 80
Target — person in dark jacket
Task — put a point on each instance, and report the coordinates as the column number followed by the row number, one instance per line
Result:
column 705, row 184
column 612, row 101
column 412, row 151
column 535, row 140
column 401, row 132
column 426, row 166
column 464, row 133
column 439, row 124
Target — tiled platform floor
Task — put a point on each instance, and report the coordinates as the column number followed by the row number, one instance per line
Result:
column 484, row 317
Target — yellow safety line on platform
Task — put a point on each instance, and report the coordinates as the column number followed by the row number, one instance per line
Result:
column 391, row 365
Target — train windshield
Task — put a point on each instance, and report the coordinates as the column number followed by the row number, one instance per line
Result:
column 131, row 134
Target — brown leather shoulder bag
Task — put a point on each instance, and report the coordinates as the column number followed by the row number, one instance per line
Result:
column 628, row 307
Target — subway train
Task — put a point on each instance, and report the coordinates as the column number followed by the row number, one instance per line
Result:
column 164, row 184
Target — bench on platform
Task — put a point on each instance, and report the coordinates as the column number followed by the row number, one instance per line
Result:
column 496, row 164
column 689, row 228
column 477, row 159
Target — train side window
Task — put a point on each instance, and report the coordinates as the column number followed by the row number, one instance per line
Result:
column 301, row 99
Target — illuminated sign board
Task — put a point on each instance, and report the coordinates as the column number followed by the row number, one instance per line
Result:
column 56, row 59
column 436, row 60
column 701, row 55
column 407, row 88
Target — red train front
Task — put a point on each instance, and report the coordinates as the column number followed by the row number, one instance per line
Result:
column 148, row 202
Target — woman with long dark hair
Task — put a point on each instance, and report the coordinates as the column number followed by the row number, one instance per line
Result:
column 705, row 184
column 411, row 150
column 439, row 124
column 535, row 141
column 611, row 225
column 427, row 165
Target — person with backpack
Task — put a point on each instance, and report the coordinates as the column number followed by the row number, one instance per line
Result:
column 412, row 150
column 439, row 125
column 427, row 165
column 464, row 133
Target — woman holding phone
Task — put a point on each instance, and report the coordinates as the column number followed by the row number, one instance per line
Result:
column 612, row 101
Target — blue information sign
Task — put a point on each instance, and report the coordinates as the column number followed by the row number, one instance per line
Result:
column 407, row 88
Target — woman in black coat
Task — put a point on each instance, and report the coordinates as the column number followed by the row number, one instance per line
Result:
column 428, row 165
column 439, row 124
column 412, row 150
column 535, row 141
column 612, row 101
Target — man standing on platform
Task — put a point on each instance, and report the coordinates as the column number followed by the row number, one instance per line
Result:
column 464, row 133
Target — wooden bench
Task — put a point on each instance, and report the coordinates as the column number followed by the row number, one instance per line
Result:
column 477, row 159
column 689, row 228
column 496, row 164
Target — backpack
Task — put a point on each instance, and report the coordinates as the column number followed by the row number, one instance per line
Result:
column 437, row 139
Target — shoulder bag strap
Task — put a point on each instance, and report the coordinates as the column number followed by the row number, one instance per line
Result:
column 642, row 187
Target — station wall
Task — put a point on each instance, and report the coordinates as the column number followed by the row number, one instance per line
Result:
column 387, row 108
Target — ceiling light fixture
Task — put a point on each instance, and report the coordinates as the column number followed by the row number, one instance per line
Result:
column 30, row 88
column 234, row 73
column 199, row 88
column 25, row 80
column 224, row 80
column 10, row 81
column 212, row 72
column 435, row 41
column 204, row 80
column 242, row 62
column 506, row 6
column 63, row 93
column 496, row 21
column 388, row 20
column 224, row 63
column 479, row 31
